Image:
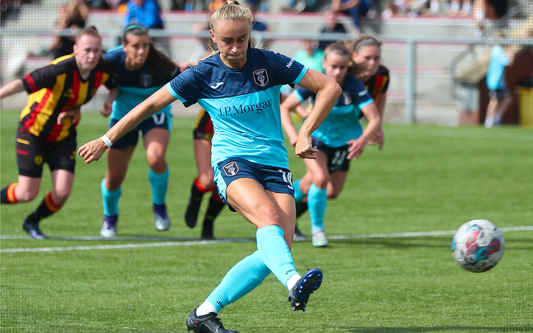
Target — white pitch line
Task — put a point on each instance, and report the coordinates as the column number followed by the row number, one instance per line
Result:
column 218, row 241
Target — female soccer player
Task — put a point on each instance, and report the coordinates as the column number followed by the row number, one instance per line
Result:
column 366, row 54
column 202, row 135
column 341, row 135
column 47, row 127
column 239, row 87
column 141, row 70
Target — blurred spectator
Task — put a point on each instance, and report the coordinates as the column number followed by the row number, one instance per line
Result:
column 69, row 16
column 460, row 8
column 488, row 10
column 299, row 6
column 412, row 7
column 500, row 97
column 259, row 27
column 215, row 4
column 145, row 12
column 355, row 8
column 331, row 25
column 204, row 45
column 148, row 14
column 310, row 55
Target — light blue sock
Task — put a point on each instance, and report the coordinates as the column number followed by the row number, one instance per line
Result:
column 298, row 194
column 159, row 182
column 244, row 277
column 317, row 201
column 275, row 252
column 110, row 199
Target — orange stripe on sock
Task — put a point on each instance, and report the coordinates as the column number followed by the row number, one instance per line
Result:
column 50, row 204
column 200, row 187
column 11, row 197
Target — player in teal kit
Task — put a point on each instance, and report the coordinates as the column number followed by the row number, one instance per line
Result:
column 140, row 71
column 341, row 135
column 239, row 88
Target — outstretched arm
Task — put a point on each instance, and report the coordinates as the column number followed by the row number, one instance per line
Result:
column 327, row 92
column 12, row 88
column 93, row 150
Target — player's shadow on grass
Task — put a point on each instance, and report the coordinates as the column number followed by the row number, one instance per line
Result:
column 472, row 329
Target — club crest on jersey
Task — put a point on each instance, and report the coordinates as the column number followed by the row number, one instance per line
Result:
column 261, row 77
column 231, row 168
column 346, row 98
column 146, row 80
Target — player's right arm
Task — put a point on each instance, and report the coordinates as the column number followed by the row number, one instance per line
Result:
column 93, row 150
column 12, row 88
column 327, row 92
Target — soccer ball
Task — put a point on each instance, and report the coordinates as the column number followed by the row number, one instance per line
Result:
column 478, row 245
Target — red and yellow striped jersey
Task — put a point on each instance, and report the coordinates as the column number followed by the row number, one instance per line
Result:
column 56, row 87
column 379, row 83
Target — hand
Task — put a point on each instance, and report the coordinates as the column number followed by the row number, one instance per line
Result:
column 378, row 138
column 74, row 113
column 92, row 151
column 108, row 107
column 304, row 147
column 356, row 147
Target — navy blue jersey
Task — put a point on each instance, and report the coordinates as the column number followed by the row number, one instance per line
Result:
column 342, row 123
column 243, row 104
column 134, row 86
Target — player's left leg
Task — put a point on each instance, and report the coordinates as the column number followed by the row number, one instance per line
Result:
column 203, row 183
column 156, row 143
column 215, row 207
column 317, row 197
column 62, row 181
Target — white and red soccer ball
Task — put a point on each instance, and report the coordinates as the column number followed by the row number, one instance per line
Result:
column 478, row 246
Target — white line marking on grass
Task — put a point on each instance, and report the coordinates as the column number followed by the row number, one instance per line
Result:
column 128, row 246
column 184, row 242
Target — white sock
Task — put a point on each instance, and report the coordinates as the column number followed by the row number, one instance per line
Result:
column 434, row 6
column 467, row 7
column 292, row 281
column 205, row 308
column 488, row 122
column 454, row 6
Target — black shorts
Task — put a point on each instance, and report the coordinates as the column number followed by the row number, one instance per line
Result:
column 337, row 157
column 203, row 128
column 33, row 152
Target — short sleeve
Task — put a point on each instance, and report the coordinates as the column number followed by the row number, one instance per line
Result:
column 184, row 87
column 44, row 77
column 291, row 71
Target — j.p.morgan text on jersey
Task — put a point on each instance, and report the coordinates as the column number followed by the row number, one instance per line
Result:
column 239, row 109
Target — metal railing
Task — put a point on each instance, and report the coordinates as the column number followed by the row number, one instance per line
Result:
column 411, row 46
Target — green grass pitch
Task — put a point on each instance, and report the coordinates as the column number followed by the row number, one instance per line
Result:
column 426, row 179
